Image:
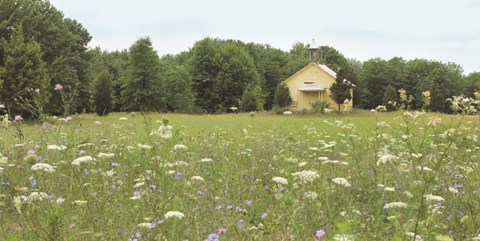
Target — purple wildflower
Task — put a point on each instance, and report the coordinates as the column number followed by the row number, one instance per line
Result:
column 264, row 215
column 320, row 233
column 178, row 175
column 241, row 224
column 33, row 181
column 213, row 237
column 151, row 225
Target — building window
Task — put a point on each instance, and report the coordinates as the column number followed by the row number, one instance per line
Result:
column 310, row 82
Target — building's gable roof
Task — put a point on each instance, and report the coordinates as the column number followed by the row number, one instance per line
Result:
column 328, row 70
column 312, row 87
column 324, row 68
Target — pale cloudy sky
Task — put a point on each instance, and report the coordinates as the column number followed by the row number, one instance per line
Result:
column 444, row 30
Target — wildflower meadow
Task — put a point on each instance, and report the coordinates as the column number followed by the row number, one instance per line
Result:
column 406, row 175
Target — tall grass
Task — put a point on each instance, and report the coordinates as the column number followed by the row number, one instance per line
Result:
column 367, row 176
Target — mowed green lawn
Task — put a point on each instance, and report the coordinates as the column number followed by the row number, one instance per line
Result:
column 235, row 123
column 361, row 176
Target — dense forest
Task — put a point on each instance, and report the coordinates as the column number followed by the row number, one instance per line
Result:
column 46, row 67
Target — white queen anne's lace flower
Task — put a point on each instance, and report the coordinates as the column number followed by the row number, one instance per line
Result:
column 83, row 159
column 385, row 159
column 144, row 147
column 165, row 131
column 306, row 176
column 341, row 181
column 205, row 160
column 37, row 196
column 280, row 180
column 179, row 147
column 434, row 198
column 44, row 167
column 105, row 155
column 174, row 214
column 18, row 201
column 310, row 195
column 395, row 205
column 197, row 178
column 56, row 147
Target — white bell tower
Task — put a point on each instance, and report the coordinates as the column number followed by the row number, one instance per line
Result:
column 313, row 50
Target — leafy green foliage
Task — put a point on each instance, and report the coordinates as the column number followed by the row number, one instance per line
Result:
column 374, row 78
column 471, row 84
column 143, row 89
column 218, row 70
column 178, row 85
column 282, row 96
column 298, row 58
column 62, row 43
column 390, row 98
column 252, row 99
column 103, row 96
column 340, row 90
column 270, row 64
column 23, row 73
column 221, row 72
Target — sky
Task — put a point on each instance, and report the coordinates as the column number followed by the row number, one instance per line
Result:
column 443, row 30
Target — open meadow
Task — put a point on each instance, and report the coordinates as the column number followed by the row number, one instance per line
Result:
column 364, row 176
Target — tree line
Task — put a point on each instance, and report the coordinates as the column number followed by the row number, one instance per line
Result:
column 41, row 49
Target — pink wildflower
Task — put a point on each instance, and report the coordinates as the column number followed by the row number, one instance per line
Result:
column 58, row 87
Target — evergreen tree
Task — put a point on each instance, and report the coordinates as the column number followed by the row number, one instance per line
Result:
column 23, row 74
column 390, row 98
column 103, row 93
column 252, row 99
column 248, row 102
column 340, row 90
column 143, row 88
column 63, row 44
column 282, row 96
